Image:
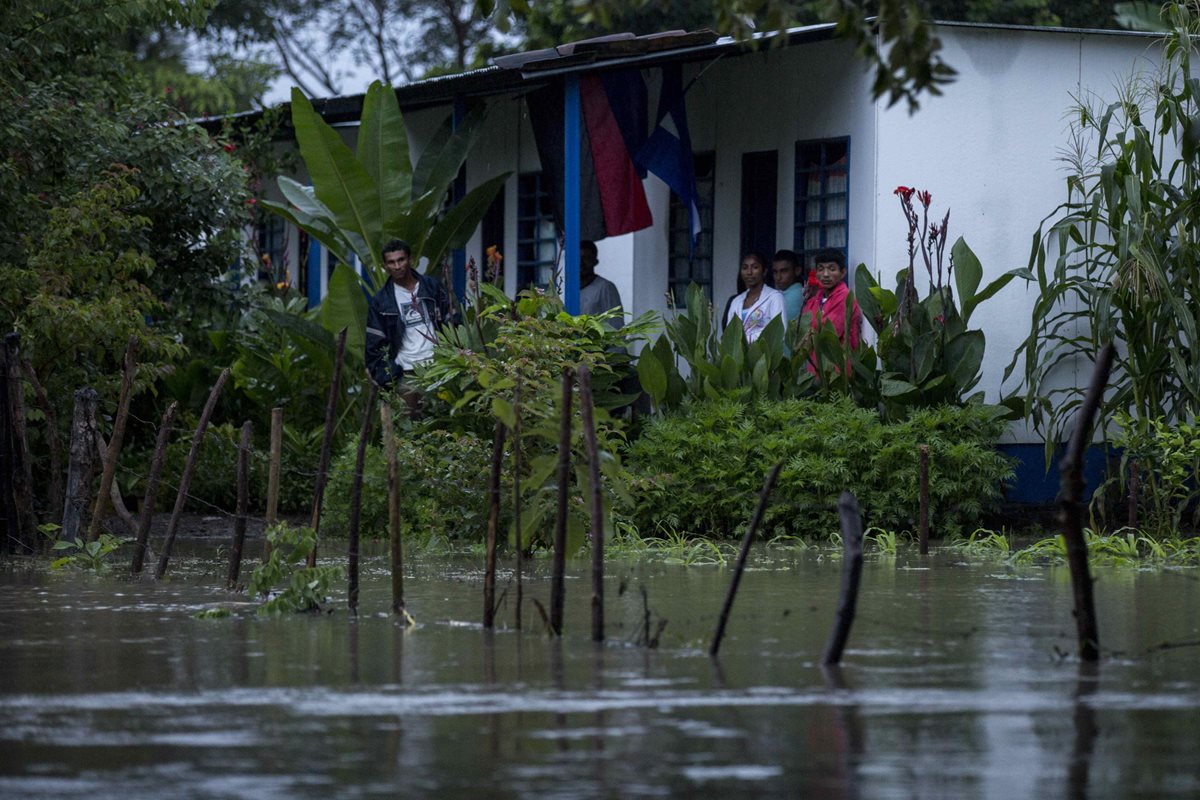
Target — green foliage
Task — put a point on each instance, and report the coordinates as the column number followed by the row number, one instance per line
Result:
column 501, row 345
column 359, row 201
column 1167, row 461
column 443, row 488
column 81, row 554
column 304, row 588
column 700, row 469
column 1119, row 261
column 983, row 543
column 1124, row 547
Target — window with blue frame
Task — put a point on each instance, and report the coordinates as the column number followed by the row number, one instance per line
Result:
column 692, row 265
column 271, row 246
column 537, row 233
column 822, row 186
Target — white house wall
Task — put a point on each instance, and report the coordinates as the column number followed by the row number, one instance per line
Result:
column 989, row 149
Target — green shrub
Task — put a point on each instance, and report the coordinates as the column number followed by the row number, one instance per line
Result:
column 700, row 469
column 443, row 488
column 214, row 480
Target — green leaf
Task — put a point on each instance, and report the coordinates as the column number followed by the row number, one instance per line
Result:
column 503, row 411
column 652, row 376
column 345, row 306
column 383, row 151
column 456, row 227
column 968, row 272
column 339, row 180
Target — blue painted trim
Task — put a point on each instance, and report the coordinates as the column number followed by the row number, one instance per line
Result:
column 314, row 273
column 1034, row 484
column 458, row 256
column 571, row 185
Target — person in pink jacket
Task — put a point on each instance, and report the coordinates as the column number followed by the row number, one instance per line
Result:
column 826, row 303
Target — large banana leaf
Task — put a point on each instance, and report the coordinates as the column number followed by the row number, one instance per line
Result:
column 456, row 227
column 383, row 151
column 340, row 181
column 345, row 306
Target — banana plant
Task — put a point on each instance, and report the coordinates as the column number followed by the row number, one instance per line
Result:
column 360, row 200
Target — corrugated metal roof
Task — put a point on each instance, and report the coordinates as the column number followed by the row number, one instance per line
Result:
column 530, row 69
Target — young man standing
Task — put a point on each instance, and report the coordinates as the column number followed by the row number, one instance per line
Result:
column 789, row 279
column 403, row 317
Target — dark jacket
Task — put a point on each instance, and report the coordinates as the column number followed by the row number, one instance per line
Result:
column 385, row 326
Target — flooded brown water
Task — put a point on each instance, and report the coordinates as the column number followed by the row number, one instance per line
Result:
column 954, row 685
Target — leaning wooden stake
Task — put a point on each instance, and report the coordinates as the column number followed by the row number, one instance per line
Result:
column 393, row 477
column 243, row 504
column 115, row 441
column 151, row 494
column 185, row 479
column 489, row 570
column 558, row 567
column 923, row 452
column 747, row 540
column 516, row 451
column 19, row 458
column 81, row 467
column 852, row 561
column 593, row 451
column 360, row 457
column 273, row 478
column 326, row 445
column 1071, row 509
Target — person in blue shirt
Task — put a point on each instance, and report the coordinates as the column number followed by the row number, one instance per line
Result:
column 789, row 279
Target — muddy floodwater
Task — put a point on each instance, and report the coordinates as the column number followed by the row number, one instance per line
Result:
column 958, row 682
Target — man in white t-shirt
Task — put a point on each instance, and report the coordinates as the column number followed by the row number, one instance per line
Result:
column 403, row 317
column 596, row 294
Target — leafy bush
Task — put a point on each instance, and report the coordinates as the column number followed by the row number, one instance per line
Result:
column 306, row 587
column 1166, row 459
column 701, row 469
column 443, row 488
column 214, row 481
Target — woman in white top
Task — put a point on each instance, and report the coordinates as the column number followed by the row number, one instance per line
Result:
column 759, row 304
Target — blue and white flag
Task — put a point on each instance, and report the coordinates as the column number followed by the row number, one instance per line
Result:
column 668, row 151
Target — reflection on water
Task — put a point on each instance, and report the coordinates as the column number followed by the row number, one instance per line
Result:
column 951, row 687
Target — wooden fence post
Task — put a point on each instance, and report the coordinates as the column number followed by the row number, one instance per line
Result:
column 852, row 561
column 185, row 479
column 593, row 450
column 489, row 570
column 20, row 460
column 326, row 445
column 115, row 441
column 364, row 438
column 747, row 540
column 243, row 504
column 276, row 458
column 558, row 567
column 81, row 465
column 396, row 550
column 1071, row 509
column 151, row 495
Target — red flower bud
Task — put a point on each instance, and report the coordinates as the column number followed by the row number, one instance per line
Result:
column 230, row 147
column 925, row 197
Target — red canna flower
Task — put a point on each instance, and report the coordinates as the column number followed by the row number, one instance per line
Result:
column 904, row 192
column 230, row 147
column 925, row 197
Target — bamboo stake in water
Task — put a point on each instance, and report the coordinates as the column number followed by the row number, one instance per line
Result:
column 151, row 494
column 81, row 466
column 364, row 438
column 393, row 478
column 1071, row 509
column 747, row 540
column 114, row 443
column 516, row 448
column 489, row 571
column 597, row 504
column 272, row 514
column 243, row 503
column 185, row 479
column 852, row 561
column 19, row 456
column 558, row 567
column 326, row 445
column 923, row 453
